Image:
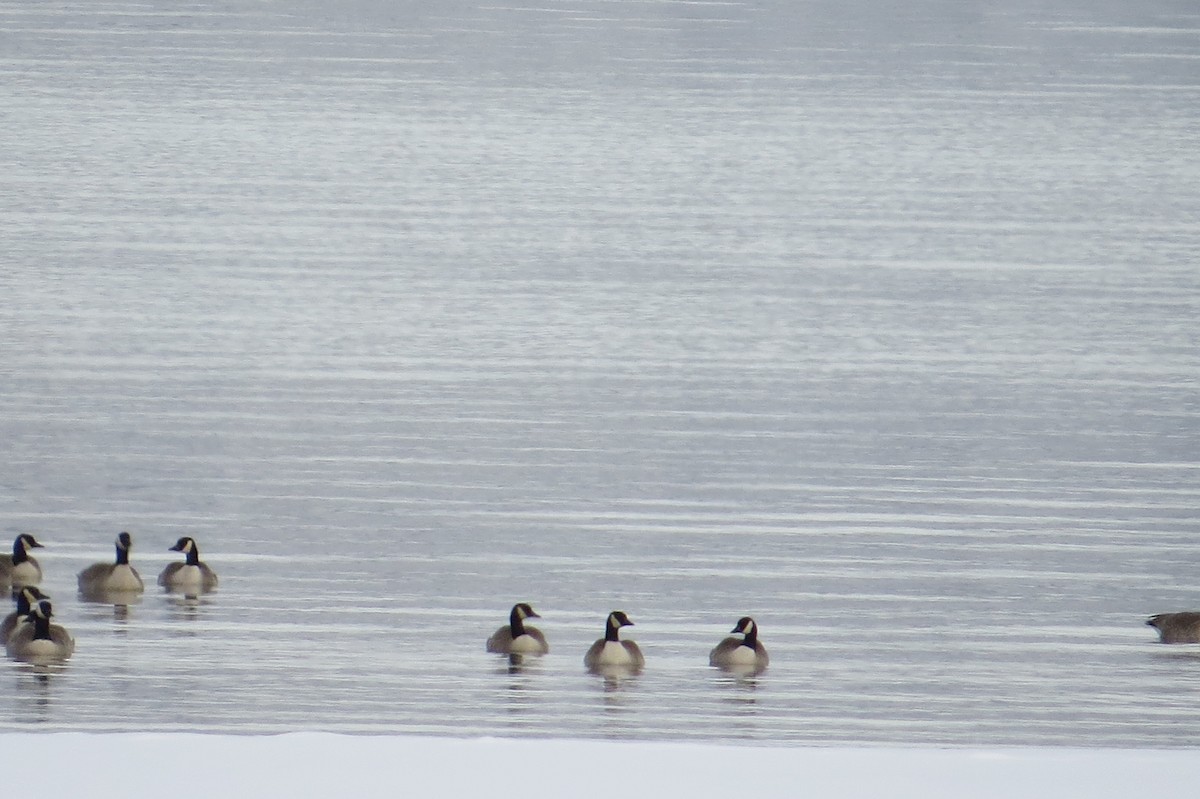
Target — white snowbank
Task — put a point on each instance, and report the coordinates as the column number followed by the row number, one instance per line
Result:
column 323, row 764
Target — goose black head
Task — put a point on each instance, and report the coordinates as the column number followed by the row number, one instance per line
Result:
column 124, row 541
column 522, row 610
column 184, row 544
column 41, row 610
column 25, row 541
column 516, row 619
column 618, row 619
column 745, row 626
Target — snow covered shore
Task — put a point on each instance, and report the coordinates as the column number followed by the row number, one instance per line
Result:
column 324, row 764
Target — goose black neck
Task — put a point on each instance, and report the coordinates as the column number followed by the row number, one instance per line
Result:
column 19, row 553
column 193, row 556
column 516, row 624
column 122, row 556
column 23, row 606
column 751, row 637
column 41, row 627
column 612, row 631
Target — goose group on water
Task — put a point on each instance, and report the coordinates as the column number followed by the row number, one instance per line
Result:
column 613, row 654
column 29, row 634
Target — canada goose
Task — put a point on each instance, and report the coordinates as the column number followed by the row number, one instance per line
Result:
column 40, row 639
column 25, row 596
column 610, row 650
column 20, row 568
column 1177, row 628
column 746, row 652
column 191, row 575
column 118, row 577
column 515, row 638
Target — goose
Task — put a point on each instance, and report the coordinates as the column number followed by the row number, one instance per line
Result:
column 40, row 639
column 1177, row 628
column 25, row 596
column 118, row 577
column 610, row 650
column 746, row 652
column 191, row 575
column 20, row 568
column 516, row 638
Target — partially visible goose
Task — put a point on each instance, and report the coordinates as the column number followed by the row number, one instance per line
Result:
column 518, row 638
column 190, row 576
column 611, row 650
column 40, row 640
column 118, row 577
column 20, row 568
column 1177, row 628
column 745, row 653
column 25, row 596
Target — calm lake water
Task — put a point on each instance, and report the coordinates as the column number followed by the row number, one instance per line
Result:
column 877, row 323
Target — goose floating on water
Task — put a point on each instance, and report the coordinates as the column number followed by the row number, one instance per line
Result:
column 1177, row 628
column 610, row 651
column 20, row 568
column 191, row 575
column 40, row 639
column 745, row 653
column 119, row 577
column 518, row 638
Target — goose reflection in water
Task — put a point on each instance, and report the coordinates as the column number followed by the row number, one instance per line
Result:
column 188, row 606
column 616, row 679
column 37, row 692
column 116, row 606
column 740, row 690
column 523, row 695
column 121, row 602
column 519, row 664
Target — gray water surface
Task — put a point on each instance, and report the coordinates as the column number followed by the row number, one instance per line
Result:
column 876, row 323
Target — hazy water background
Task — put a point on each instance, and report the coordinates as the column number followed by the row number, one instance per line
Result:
column 876, row 322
